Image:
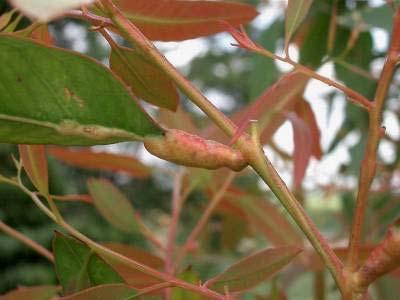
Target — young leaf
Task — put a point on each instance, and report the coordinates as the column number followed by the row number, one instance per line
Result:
column 302, row 148
column 254, row 269
column 53, row 96
column 104, row 292
column 34, row 161
column 145, row 79
column 169, row 20
column 270, row 221
column 304, row 111
column 134, row 277
column 270, row 107
column 46, row 10
column 295, row 13
column 88, row 159
column 44, row 292
column 77, row 267
column 112, row 204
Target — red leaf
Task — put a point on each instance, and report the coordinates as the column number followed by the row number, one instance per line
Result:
column 302, row 148
column 83, row 198
column 42, row 34
column 34, row 161
column 101, row 161
column 145, row 79
column 269, row 220
column 133, row 277
column 43, row 292
column 169, row 20
column 104, row 292
column 254, row 269
column 270, row 107
column 305, row 112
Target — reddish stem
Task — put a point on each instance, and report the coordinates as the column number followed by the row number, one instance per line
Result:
column 368, row 164
column 198, row 229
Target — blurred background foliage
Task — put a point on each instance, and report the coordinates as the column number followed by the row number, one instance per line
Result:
column 355, row 54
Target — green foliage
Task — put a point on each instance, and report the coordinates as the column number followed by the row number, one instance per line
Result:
column 60, row 110
column 78, row 267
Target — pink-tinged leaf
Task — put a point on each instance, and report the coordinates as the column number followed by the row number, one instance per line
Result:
column 241, row 37
column 34, row 161
column 269, row 220
column 44, row 292
column 173, row 20
column 85, row 158
column 145, row 79
column 104, row 292
column 295, row 14
column 302, row 148
column 42, row 34
column 304, row 111
column 270, row 107
column 134, row 277
column 112, row 204
column 254, row 269
column 82, row 198
column 46, row 10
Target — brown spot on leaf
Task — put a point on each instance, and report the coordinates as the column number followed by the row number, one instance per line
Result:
column 70, row 95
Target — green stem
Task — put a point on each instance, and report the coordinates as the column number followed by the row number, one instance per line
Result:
column 368, row 164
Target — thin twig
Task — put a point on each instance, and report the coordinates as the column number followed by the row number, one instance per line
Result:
column 115, row 256
column 353, row 96
column 368, row 164
column 173, row 227
column 198, row 229
column 27, row 241
column 176, row 207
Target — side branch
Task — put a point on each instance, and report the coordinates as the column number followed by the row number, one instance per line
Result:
column 368, row 164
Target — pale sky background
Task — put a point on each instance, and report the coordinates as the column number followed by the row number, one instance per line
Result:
column 319, row 172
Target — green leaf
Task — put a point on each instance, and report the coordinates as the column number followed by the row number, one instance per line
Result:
column 77, row 267
column 112, row 204
column 314, row 47
column 147, row 81
column 44, row 292
column 295, row 13
column 54, row 96
column 45, row 10
column 34, row 160
column 254, row 269
column 105, row 292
